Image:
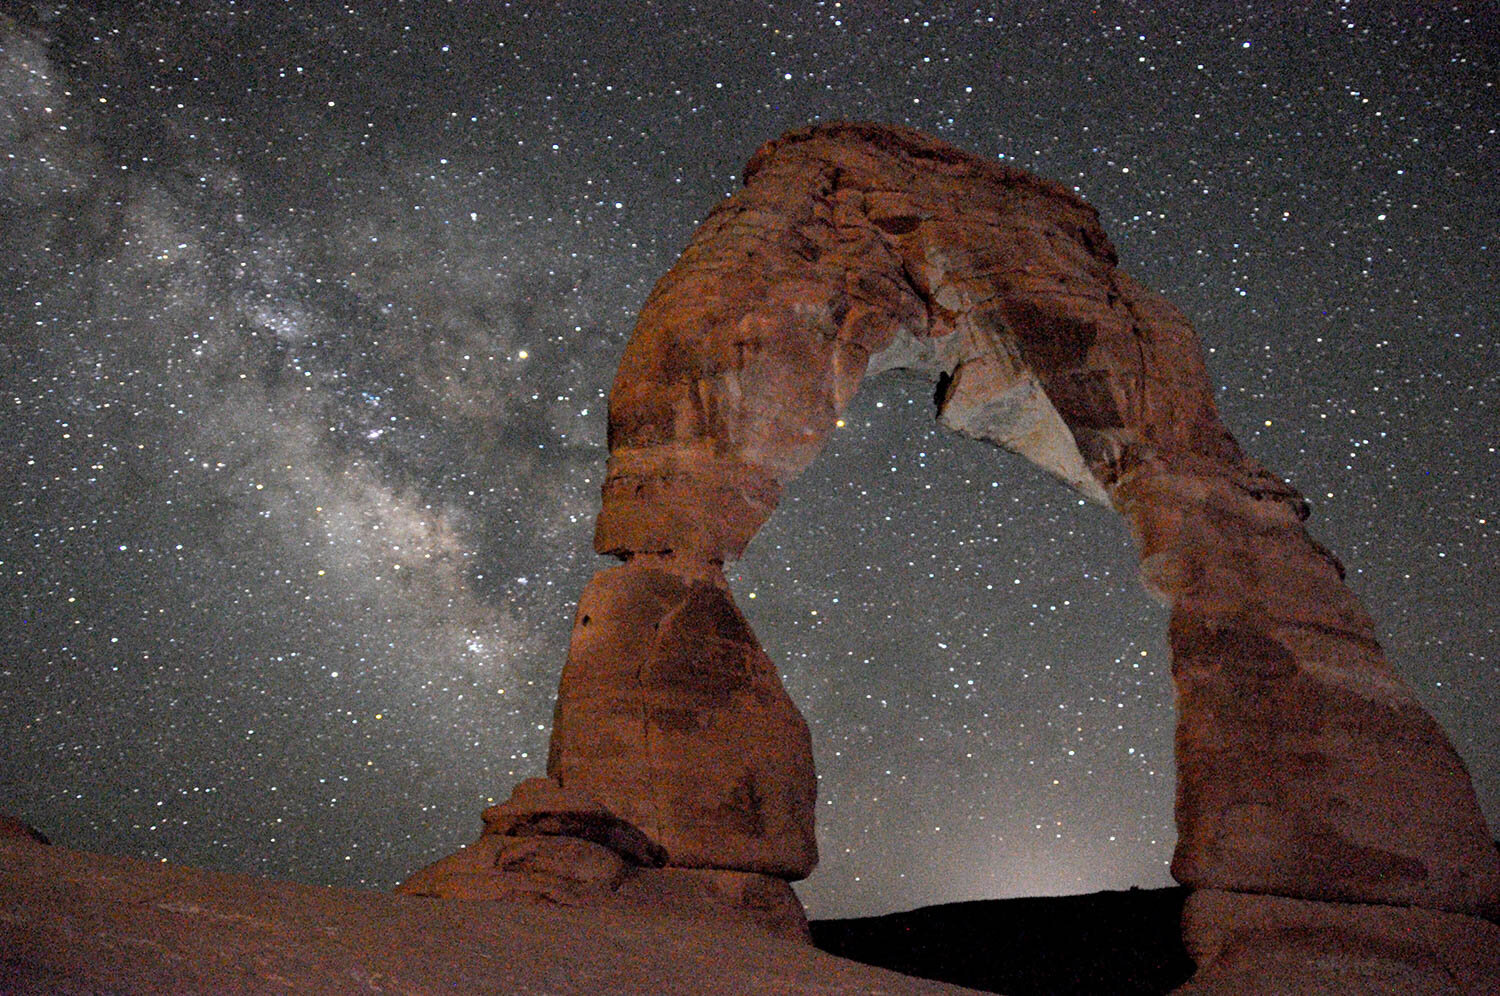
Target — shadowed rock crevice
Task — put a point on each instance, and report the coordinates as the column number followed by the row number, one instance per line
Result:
column 1306, row 768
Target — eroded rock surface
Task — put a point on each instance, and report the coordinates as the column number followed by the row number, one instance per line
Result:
column 1270, row 944
column 1306, row 768
column 547, row 845
column 673, row 717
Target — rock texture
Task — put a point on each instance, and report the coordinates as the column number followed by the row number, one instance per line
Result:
column 674, row 718
column 76, row 924
column 1269, row 944
column 549, row 846
column 1306, row 768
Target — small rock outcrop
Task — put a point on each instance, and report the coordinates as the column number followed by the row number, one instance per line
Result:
column 1306, row 769
column 15, row 829
column 558, row 847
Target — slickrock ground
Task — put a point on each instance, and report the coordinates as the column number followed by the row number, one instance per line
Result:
column 73, row 923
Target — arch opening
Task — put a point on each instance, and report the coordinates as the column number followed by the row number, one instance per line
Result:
column 966, row 595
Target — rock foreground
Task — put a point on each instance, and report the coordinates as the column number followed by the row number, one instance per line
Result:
column 73, row 923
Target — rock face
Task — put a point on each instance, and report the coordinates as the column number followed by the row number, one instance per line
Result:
column 1306, row 768
column 671, row 715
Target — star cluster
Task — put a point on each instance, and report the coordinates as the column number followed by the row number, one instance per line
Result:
column 310, row 313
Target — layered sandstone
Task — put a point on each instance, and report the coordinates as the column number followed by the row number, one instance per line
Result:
column 1306, row 768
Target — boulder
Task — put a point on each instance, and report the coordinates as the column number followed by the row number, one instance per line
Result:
column 541, row 807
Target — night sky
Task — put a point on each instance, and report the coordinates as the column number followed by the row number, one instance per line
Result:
column 309, row 315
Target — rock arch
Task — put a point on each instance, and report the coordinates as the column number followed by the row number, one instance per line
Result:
column 1305, row 768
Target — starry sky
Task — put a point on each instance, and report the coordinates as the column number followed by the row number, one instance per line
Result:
column 307, row 323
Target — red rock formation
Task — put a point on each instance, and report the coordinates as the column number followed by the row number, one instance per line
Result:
column 1305, row 767
column 19, row 829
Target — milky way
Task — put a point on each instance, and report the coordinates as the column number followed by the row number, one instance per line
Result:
column 309, row 317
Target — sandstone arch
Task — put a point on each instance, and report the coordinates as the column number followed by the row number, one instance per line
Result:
column 1306, row 769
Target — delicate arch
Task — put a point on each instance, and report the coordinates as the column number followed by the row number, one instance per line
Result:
column 1305, row 768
